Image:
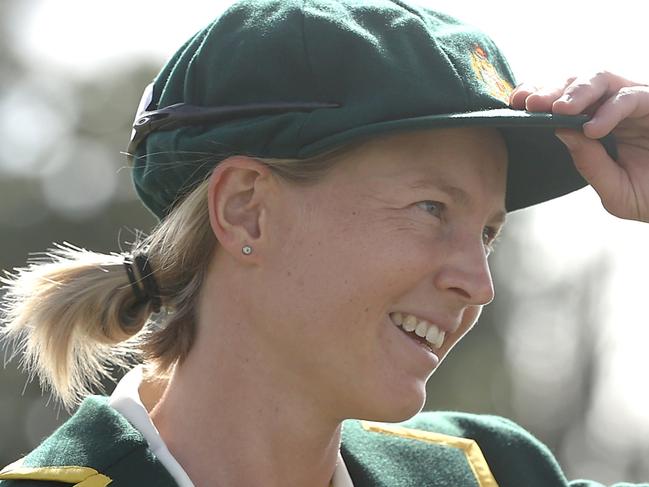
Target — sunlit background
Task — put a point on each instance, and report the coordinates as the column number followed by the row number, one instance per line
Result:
column 563, row 350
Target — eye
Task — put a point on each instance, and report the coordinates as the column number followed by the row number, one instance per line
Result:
column 435, row 208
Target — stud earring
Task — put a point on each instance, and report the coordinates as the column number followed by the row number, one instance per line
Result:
column 247, row 250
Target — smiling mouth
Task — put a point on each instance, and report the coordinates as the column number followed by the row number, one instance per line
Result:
column 426, row 333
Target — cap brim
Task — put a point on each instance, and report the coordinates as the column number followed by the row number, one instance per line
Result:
column 540, row 166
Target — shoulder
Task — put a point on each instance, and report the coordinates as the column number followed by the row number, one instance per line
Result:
column 459, row 448
column 97, row 446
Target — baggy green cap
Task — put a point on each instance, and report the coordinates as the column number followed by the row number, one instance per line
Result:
column 294, row 78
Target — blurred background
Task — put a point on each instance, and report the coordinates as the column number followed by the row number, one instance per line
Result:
column 562, row 350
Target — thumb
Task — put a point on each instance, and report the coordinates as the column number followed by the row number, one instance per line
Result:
column 592, row 161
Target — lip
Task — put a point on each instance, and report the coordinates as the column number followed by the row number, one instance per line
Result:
column 430, row 357
column 445, row 325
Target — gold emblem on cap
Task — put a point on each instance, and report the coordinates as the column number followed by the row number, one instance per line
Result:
column 497, row 86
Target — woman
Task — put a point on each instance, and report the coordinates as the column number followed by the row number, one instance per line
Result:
column 329, row 176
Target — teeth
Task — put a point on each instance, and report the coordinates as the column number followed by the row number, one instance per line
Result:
column 410, row 323
column 422, row 328
column 432, row 334
column 440, row 339
column 435, row 336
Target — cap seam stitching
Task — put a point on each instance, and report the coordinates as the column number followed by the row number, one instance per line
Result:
column 457, row 75
column 441, row 50
column 192, row 64
column 172, row 68
column 309, row 64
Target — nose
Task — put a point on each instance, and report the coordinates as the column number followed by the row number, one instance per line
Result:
column 466, row 273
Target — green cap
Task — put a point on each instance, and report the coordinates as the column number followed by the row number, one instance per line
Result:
column 294, row 78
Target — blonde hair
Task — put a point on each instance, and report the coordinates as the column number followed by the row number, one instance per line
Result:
column 73, row 317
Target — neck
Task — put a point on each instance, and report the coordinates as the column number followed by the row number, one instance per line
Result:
column 242, row 423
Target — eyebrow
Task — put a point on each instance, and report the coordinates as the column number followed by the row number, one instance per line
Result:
column 458, row 195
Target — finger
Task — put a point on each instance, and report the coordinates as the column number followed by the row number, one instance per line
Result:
column 542, row 100
column 594, row 164
column 584, row 92
column 520, row 93
column 629, row 102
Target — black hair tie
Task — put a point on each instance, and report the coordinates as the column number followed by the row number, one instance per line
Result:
column 146, row 289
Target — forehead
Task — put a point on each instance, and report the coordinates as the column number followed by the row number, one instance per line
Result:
column 463, row 158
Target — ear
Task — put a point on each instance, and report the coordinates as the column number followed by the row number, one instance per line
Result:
column 238, row 193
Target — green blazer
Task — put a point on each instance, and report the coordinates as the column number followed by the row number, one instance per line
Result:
column 97, row 446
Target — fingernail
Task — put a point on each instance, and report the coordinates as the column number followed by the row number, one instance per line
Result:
column 590, row 123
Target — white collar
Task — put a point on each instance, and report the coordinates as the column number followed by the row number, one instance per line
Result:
column 125, row 399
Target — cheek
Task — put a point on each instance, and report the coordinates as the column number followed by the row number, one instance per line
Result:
column 343, row 271
column 339, row 264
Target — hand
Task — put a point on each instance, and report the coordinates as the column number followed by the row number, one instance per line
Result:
column 616, row 105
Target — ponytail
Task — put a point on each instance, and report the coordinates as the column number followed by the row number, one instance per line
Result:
column 71, row 317
column 74, row 317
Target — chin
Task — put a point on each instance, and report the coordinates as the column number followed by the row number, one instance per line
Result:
column 398, row 406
